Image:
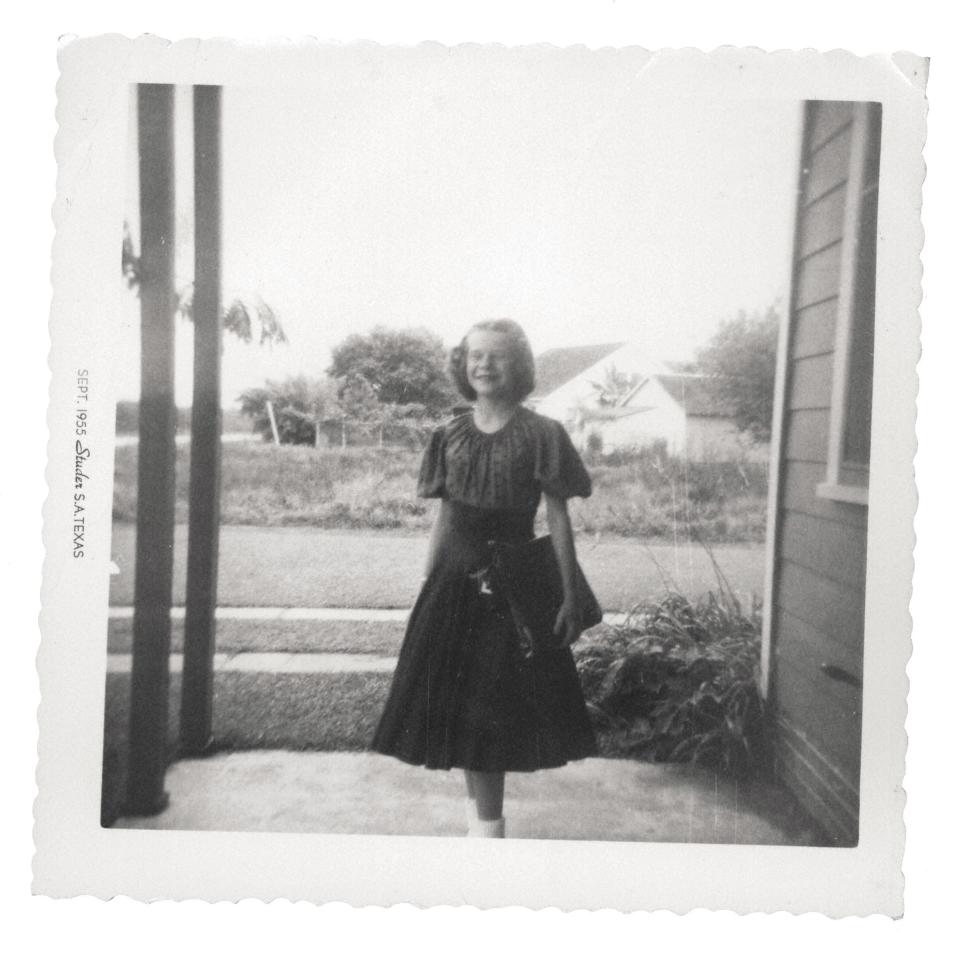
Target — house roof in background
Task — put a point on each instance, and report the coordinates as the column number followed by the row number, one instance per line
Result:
column 693, row 393
column 560, row 365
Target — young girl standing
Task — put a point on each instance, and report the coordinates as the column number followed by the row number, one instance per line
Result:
column 462, row 694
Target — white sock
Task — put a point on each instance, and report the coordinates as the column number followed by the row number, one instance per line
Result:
column 487, row 828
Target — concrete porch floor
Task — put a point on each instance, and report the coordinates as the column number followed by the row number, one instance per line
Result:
column 365, row 793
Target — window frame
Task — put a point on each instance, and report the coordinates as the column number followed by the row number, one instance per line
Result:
column 837, row 485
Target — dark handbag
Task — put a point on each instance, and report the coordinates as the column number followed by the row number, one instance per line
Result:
column 528, row 576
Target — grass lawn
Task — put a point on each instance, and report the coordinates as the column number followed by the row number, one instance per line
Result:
column 312, row 567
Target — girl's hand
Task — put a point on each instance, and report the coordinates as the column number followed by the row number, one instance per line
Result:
column 567, row 625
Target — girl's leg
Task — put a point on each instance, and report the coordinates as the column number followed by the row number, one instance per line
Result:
column 484, row 804
column 485, row 791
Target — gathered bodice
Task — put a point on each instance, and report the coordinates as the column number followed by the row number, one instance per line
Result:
column 491, row 483
column 504, row 470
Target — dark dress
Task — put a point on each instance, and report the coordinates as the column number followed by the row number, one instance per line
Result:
column 461, row 695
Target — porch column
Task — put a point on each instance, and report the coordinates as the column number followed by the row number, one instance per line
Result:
column 150, row 672
column 196, row 709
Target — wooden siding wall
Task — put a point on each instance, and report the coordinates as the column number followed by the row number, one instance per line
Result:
column 817, row 607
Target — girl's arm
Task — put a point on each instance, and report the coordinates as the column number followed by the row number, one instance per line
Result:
column 433, row 545
column 561, row 533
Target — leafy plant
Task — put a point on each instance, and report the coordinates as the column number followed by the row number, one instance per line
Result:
column 677, row 681
column 240, row 316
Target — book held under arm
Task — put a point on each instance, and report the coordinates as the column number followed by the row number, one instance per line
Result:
column 528, row 576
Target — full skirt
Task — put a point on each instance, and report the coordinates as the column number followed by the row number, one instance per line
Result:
column 462, row 696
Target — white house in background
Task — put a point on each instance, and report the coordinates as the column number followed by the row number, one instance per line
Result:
column 617, row 396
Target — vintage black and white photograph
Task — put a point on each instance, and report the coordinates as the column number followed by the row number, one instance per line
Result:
column 485, row 448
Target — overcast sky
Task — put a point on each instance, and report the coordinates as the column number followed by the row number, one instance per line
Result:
column 563, row 193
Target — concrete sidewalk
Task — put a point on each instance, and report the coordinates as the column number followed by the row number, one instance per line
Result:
column 273, row 662
column 365, row 793
column 312, row 614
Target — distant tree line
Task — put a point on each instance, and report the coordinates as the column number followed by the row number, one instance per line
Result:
column 384, row 387
column 391, row 386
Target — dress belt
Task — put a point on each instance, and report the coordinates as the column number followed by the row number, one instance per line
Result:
column 484, row 523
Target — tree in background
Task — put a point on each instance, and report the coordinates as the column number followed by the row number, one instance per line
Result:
column 400, row 367
column 301, row 406
column 358, row 401
column 741, row 360
column 615, row 386
column 240, row 315
column 358, row 406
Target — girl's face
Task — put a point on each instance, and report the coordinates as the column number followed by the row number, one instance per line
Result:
column 489, row 364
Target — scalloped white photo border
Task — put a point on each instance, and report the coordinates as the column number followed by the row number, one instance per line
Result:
column 76, row 856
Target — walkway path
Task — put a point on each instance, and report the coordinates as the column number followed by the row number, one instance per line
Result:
column 250, row 662
column 362, row 614
column 324, row 614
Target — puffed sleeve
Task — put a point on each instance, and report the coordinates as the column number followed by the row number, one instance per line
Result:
column 558, row 466
column 433, row 472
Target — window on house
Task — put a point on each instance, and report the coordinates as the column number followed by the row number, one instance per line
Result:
column 848, row 459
